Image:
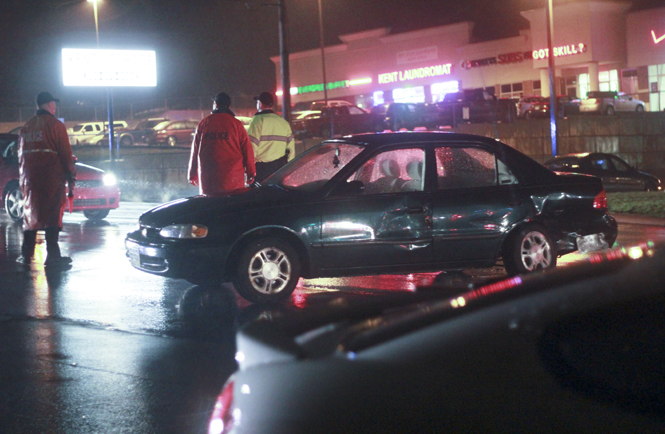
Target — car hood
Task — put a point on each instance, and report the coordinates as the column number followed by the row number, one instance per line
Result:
column 83, row 171
column 241, row 200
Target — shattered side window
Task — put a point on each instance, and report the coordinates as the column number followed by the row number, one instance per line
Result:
column 465, row 167
column 316, row 167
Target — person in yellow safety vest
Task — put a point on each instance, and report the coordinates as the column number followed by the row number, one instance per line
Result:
column 271, row 137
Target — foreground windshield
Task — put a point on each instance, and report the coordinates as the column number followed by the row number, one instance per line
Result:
column 316, row 167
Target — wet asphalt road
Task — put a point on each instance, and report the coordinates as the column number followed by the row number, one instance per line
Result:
column 104, row 348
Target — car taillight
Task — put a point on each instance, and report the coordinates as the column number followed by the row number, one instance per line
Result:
column 221, row 419
column 600, row 201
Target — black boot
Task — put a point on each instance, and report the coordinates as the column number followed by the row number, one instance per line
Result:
column 53, row 256
column 27, row 247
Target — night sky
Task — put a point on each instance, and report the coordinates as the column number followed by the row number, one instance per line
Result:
column 204, row 47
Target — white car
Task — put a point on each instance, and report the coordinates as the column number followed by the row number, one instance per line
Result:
column 83, row 133
column 610, row 103
column 578, row 350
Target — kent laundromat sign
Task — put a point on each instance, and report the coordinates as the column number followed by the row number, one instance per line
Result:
column 412, row 74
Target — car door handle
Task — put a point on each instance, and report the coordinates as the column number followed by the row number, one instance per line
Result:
column 414, row 210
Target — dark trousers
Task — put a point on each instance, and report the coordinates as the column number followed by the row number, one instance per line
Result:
column 263, row 170
column 30, row 239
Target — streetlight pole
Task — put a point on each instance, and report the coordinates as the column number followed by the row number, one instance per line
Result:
column 109, row 97
column 284, row 53
column 550, row 65
column 323, row 55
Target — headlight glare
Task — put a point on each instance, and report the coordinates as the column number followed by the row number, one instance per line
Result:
column 184, row 231
column 109, row 179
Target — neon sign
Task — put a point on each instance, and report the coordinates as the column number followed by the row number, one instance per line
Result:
column 656, row 40
column 415, row 73
column 501, row 59
column 564, row 50
column 330, row 86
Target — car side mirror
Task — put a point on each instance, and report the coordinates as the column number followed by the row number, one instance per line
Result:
column 351, row 188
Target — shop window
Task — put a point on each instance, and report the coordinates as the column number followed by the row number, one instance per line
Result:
column 409, row 94
column 657, row 87
column 584, row 86
column 439, row 90
column 378, row 97
column 608, row 81
column 514, row 90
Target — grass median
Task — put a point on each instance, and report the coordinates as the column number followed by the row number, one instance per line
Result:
column 650, row 204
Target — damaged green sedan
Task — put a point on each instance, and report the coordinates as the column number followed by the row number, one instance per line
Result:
column 374, row 204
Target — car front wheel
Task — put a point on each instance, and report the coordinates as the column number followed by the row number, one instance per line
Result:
column 14, row 202
column 268, row 271
column 529, row 249
column 639, row 108
column 96, row 214
column 172, row 141
column 126, row 141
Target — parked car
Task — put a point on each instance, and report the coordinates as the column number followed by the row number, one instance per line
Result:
column 245, row 121
column 525, row 103
column 475, row 106
column 171, row 133
column 610, row 103
column 318, row 105
column 578, row 350
column 397, row 116
column 81, row 134
column 617, row 175
column 377, row 203
column 95, row 192
column 340, row 120
column 541, row 109
column 129, row 137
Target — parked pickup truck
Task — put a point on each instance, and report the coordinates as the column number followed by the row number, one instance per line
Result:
column 340, row 120
column 475, row 106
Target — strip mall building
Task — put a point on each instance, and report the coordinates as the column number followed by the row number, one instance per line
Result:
column 597, row 46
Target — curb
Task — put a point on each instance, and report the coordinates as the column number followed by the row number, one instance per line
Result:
column 636, row 219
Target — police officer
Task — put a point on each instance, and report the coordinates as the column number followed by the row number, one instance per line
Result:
column 222, row 158
column 46, row 165
column 271, row 138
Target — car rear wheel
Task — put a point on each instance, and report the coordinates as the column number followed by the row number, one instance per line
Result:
column 529, row 249
column 14, row 202
column 172, row 141
column 126, row 141
column 609, row 110
column 96, row 214
column 268, row 271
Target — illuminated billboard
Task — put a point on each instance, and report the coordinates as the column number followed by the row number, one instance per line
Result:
column 108, row 68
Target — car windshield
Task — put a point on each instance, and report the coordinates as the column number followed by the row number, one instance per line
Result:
column 316, row 167
column 144, row 125
column 161, row 125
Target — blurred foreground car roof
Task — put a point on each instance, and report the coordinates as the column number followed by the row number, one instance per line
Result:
column 578, row 349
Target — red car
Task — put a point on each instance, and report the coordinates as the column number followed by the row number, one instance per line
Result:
column 171, row 133
column 95, row 192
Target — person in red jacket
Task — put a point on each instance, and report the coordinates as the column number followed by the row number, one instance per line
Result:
column 46, row 166
column 222, row 158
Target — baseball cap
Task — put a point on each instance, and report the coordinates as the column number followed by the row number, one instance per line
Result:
column 266, row 98
column 45, row 97
column 222, row 99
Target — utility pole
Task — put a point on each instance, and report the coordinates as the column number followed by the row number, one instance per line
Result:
column 284, row 53
column 550, row 63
